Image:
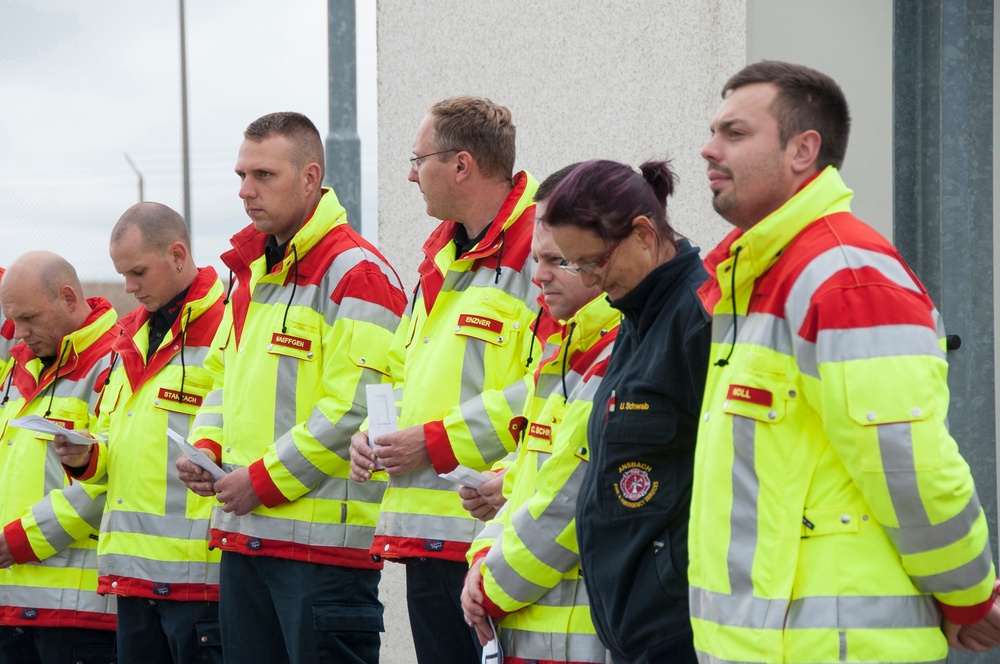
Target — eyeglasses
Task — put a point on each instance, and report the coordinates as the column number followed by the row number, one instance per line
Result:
column 416, row 161
column 587, row 268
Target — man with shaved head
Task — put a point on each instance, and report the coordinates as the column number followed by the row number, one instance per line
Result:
column 153, row 552
column 49, row 611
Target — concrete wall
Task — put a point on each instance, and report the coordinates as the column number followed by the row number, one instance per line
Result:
column 628, row 80
column 851, row 40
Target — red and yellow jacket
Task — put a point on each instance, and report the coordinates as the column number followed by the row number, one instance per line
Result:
column 459, row 364
column 832, row 516
column 52, row 521
column 299, row 345
column 154, row 534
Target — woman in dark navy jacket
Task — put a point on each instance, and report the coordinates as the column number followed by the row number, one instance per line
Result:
column 610, row 223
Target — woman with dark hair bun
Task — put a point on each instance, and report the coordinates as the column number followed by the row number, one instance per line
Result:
column 610, row 223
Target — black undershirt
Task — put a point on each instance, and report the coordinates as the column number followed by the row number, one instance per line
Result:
column 162, row 320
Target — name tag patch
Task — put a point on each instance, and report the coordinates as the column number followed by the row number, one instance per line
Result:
column 174, row 395
column 540, row 431
column 751, row 395
column 288, row 341
column 482, row 322
column 65, row 424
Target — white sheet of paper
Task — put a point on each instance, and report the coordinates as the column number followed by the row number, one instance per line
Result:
column 465, row 476
column 381, row 413
column 39, row 424
column 196, row 455
column 492, row 652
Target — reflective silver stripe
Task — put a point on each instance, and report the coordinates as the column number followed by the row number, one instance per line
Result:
column 742, row 610
column 174, row 525
column 308, row 295
column 861, row 343
column 513, row 584
column 705, row 658
column 48, row 525
column 336, row 436
column 286, row 383
column 158, row 571
column 743, row 518
column 568, row 592
column 516, row 282
column 84, row 559
column 825, row 265
column 538, row 534
column 296, row 463
column 493, row 527
column 175, row 494
column 964, row 577
column 207, row 419
column 292, row 530
column 86, row 506
column 353, row 308
column 428, row 526
column 722, row 328
column 557, row 646
column 67, row 599
column 828, row 612
column 546, row 384
column 917, row 539
column 481, row 427
column 896, row 447
column 862, row 612
column 213, row 398
column 473, row 370
column 766, row 330
column 425, row 478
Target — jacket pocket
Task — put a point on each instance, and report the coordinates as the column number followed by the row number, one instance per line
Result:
column 301, row 340
column 196, row 385
column 642, row 471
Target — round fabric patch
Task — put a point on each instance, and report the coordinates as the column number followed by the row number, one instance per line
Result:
column 635, row 484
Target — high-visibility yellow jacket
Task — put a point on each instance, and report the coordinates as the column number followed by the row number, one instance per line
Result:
column 154, row 533
column 528, row 554
column 831, row 507
column 467, row 337
column 50, row 520
column 299, row 345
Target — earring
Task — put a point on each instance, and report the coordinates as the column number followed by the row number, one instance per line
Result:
column 180, row 267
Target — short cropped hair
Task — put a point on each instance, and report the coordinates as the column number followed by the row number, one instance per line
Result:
column 550, row 183
column 480, row 127
column 159, row 226
column 307, row 145
column 807, row 99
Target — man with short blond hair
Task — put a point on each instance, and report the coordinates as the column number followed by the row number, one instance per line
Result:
column 460, row 359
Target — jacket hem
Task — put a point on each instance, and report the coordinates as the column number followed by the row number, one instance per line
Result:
column 178, row 592
column 310, row 553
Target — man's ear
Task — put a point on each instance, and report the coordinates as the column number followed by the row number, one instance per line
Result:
column 804, row 150
column 464, row 163
column 313, row 177
column 69, row 297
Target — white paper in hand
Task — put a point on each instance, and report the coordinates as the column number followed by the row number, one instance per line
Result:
column 381, row 413
column 39, row 424
column 197, row 456
column 465, row 476
column 492, row 652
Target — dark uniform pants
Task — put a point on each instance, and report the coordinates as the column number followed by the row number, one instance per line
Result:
column 56, row 645
column 154, row 631
column 434, row 601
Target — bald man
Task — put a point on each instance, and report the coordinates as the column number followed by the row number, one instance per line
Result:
column 49, row 611
column 153, row 552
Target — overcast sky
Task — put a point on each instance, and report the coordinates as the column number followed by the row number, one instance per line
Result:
column 84, row 83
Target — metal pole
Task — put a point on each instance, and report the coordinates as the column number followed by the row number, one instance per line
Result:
column 138, row 174
column 343, row 145
column 186, row 166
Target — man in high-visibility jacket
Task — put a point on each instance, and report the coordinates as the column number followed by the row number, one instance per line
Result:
column 524, row 567
column 833, row 518
column 466, row 338
column 153, row 550
column 50, row 611
column 6, row 336
column 307, row 328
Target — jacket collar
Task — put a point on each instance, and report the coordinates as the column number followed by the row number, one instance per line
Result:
column 642, row 304
column 249, row 243
column 761, row 246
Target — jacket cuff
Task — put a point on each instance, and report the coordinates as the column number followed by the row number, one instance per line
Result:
column 264, row 486
column 439, row 447
column 17, row 542
column 492, row 610
column 966, row 615
column 88, row 471
column 207, row 445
